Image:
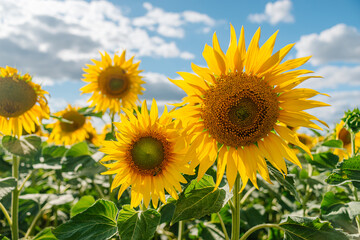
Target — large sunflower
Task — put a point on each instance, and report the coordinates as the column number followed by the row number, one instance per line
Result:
column 72, row 128
column 239, row 106
column 22, row 102
column 114, row 83
column 148, row 156
column 344, row 135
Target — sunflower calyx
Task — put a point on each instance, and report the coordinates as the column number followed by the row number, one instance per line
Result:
column 352, row 120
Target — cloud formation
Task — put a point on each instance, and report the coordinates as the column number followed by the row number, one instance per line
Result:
column 275, row 12
column 54, row 39
column 338, row 43
column 334, row 77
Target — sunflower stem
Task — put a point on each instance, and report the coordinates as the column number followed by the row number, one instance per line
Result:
column 181, row 230
column 30, row 229
column 7, row 216
column 235, row 232
column 223, row 226
column 253, row 229
column 15, row 200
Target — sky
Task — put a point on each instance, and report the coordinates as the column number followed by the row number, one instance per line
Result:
column 53, row 40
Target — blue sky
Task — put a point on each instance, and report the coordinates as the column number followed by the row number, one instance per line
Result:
column 53, row 40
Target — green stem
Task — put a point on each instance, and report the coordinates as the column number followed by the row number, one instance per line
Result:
column 248, row 193
column 352, row 137
column 98, row 189
column 235, row 231
column 26, row 179
column 7, row 216
column 253, row 229
column 30, row 229
column 223, row 226
column 181, row 230
column 15, row 201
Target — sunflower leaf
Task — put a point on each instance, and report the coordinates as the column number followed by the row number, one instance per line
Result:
column 25, row 147
column 299, row 228
column 98, row 222
column 288, row 182
column 326, row 160
column 45, row 234
column 84, row 203
column 7, row 185
column 2, row 237
column 333, row 143
column 89, row 112
column 198, row 199
column 137, row 225
column 346, row 171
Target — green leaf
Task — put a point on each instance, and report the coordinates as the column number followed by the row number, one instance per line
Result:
column 45, row 234
column 98, row 222
column 167, row 210
column 7, row 185
column 78, row 149
column 2, row 237
column 84, row 203
column 331, row 200
column 288, row 182
column 333, row 143
column 89, row 112
column 24, row 148
column 199, row 199
column 326, row 160
column 298, row 228
column 346, row 171
column 137, row 225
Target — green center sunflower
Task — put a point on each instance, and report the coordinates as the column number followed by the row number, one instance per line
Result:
column 77, row 121
column 149, row 154
column 239, row 109
column 114, row 82
column 16, row 97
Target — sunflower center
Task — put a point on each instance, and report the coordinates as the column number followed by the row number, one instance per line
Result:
column 147, row 153
column 16, row 97
column 76, row 118
column 345, row 136
column 114, row 82
column 239, row 109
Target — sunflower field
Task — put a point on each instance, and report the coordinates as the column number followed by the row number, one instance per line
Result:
column 231, row 161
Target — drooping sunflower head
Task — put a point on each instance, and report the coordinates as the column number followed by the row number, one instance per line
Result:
column 148, row 156
column 70, row 128
column 114, row 83
column 22, row 102
column 238, row 108
column 94, row 137
column 341, row 133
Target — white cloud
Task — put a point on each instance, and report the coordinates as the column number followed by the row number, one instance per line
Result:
column 169, row 24
column 338, row 43
column 334, row 77
column 339, row 102
column 274, row 13
column 53, row 40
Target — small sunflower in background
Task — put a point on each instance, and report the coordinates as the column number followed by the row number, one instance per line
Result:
column 94, row 137
column 341, row 133
column 238, row 108
column 114, row 83
column 22, row 103
column 72, row 128
column 148, row 156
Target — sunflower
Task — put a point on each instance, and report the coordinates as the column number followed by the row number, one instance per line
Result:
column 238, row 107
column 94, row 137
column 22, row 102
column 148, row 156
column 114, row 83
column 344, row 135
column 72, row 128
